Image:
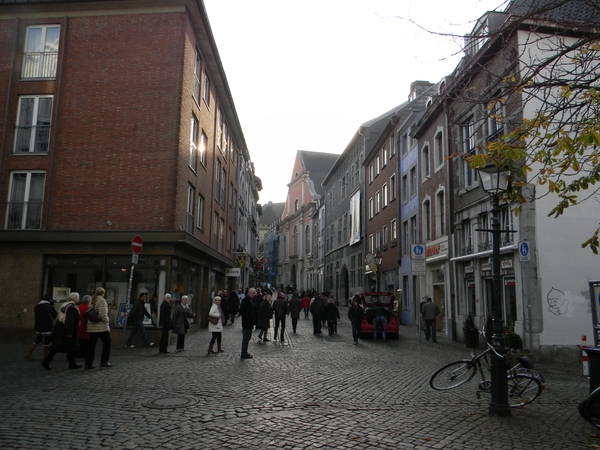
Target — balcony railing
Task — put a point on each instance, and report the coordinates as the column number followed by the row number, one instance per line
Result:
column 30, row 211
column 23, row 141
column 39, row 65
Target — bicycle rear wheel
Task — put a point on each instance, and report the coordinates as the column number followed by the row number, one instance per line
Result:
column 453, row 375
column 522, row 390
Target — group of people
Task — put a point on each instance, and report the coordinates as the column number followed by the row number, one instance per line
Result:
column 69, row 330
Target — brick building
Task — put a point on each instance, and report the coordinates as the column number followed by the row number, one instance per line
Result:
column 117, row 121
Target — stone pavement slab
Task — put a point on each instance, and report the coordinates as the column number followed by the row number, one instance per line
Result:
column 314, row 392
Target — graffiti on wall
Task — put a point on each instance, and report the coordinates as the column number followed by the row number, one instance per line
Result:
column 557, row 302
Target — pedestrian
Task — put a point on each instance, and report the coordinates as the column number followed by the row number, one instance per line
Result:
column 332, row 315
column 265, row 313
column 84, row 336
column 166, row 322
column 305, row 304
column 317, row 309
column 99, row 330
column 295, row 306
column 430, row 312
column 225, row 305
column 44, row 315
column 180, row 322
column 379, row 320
column 248, row 313
column 324, row 299
column 355, row 314
column 216, row 328
column 137, row 314
column 234, row 305
column 281, row 310
column 65, row 335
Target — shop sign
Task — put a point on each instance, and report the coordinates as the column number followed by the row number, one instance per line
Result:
column 233, row 272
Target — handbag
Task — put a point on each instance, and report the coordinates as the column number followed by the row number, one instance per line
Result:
column 214, row 320
column 92, row 315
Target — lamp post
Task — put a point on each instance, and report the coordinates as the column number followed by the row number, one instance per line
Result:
column 494, row 181
column 337, row 278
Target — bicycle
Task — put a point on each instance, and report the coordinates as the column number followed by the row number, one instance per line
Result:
column 589, row 408
column 524, row 383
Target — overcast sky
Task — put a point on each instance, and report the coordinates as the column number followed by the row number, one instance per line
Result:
column 305, row 74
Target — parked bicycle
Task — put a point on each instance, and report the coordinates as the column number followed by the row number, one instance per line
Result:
column 589, row 408
column 524, row 383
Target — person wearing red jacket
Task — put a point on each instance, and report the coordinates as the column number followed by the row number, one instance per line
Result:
column 305, row 304
column 84, row 336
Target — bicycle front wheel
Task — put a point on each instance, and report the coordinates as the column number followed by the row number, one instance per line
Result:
column 592, row 408
column 453, row 375
column 523, row 389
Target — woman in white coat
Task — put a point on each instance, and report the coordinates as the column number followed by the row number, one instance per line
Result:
column 216, row 328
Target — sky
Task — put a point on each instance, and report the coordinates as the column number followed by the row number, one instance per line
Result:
column 305, row 74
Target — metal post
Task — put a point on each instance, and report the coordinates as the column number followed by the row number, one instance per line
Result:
column 499, row 388
column 529, row 321
column 127, row 307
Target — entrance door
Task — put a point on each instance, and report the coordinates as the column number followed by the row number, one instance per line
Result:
column 439, row 298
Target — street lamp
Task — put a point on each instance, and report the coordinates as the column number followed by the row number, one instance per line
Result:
column 377, row 259
column 495, row 180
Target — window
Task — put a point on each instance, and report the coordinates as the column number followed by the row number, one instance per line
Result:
column 371, row 208
column 468, row 136
column 194, row 143
column 392, row 145
column 296, row 205
column 384, row 237
column 206, row 93
column 413, row 182
column 221, row 234
column 371, row 244
column 306, row 240
column 215, row 229
column 377, row 202
column 189, row 222
column 425, row 162
column 352, row 271
column 405, row 240
column 353, row 174
column 219, row 128
column 32, row 133
column 295, row 240
column 384, row 195
column 404, row 145
column 345, row 235
column 377, row 165
column 393, row 187
column 41, row 52
column 384, row 156
column 506, row 224
column 378, row 240
column 440, row 216
column 339, row 231
column 356, row 176
column 223, row 188
column 25, row 198
column 203, row 141
column 427, row 220
column 496, row 120
column 197, row 75
column 413, row 230
column 438, row 148
column 393, row 232
column 371, row 173
column 404, row 188
column 218, row 180
column 200, row 217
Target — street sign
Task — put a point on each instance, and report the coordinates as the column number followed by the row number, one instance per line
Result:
column 419, row 267
column 417, row 251
column 136, row 244
column 524, row 253
column 134, row 258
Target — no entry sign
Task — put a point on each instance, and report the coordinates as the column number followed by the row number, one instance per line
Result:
column 136, row 244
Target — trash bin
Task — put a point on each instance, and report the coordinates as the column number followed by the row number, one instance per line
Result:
column 594, row 365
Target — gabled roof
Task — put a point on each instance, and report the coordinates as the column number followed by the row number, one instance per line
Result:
column 558, row 11
column 271, row 213
column 317, row 164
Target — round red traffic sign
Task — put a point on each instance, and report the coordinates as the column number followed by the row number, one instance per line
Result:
column 136, row 244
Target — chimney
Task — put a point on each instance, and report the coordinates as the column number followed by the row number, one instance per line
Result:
column 417, row 88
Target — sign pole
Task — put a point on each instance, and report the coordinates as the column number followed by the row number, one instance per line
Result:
column 136, row 247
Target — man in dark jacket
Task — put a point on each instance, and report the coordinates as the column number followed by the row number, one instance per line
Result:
column 166, row 322
column 234, row 305
column 356, row 314
column 65, row 336
column 44, row 314
column 430, row 311
column 137, row 314
column 317, row 308
column 280, row 306
column 295, row 306
column 248, row 313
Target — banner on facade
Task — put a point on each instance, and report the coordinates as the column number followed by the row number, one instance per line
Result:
column 355, row 218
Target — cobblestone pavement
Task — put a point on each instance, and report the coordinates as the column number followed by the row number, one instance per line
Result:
column 312, row 393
